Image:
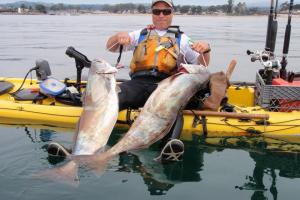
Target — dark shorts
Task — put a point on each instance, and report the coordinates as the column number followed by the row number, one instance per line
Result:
column 134, row 93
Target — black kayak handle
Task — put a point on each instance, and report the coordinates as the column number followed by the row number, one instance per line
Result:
column 80, row 58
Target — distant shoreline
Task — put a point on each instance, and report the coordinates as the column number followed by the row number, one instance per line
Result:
column 112, row 14
column 297, row 14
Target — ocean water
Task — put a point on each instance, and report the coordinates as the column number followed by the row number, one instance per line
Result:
column 24, row 39
column 207, row 171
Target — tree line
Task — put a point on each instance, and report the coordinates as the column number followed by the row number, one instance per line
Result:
column 230, row 8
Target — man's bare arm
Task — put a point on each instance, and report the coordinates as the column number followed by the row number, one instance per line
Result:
column 114, row 42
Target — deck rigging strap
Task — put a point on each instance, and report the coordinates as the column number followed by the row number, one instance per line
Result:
column 226, row 114
column 202, row 120
column 129, row 121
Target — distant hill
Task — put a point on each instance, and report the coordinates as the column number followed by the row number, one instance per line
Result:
column 28, row 3
column 19, row 3
column 33, row 4
column 255, row 7
column 252, row 3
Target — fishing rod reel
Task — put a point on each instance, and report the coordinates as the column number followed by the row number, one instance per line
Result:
column 273, row 68
column 271, row 65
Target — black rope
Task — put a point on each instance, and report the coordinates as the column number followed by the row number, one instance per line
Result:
column 195, row 115
column 252, row 130
column 128, row 116
column 247, row 130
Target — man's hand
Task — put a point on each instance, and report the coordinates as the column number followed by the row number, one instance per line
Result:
column 114, row 42
column 201, row 47
column 151, row 27
column 123, row 38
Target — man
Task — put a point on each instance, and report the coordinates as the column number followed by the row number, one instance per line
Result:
column 158, row 51
column 134, row 93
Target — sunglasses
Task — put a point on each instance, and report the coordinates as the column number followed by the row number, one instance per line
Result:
column 164, row 11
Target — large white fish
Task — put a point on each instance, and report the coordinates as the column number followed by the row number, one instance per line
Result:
column 100, row 109
column 157, row 116
column 99, row 115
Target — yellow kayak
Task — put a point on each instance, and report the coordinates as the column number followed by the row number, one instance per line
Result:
column 245, row 119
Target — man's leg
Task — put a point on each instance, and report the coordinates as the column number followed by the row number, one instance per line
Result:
column 177, row 127
column 134, row 94
column 173, row 148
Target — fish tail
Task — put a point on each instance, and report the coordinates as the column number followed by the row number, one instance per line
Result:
column 67, row 173
column 95, row 162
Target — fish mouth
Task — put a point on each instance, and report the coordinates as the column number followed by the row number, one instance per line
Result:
column 103, row 67
column 106, row 70
column 190, row 69
column 109, row 71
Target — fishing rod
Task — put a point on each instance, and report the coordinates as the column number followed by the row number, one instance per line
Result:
column 268, row 56
column 272, row 28
column 286, row 44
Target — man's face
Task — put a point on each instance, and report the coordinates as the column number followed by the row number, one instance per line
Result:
column 164, row 18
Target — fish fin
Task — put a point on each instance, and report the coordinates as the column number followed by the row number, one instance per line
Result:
column 95, row 162
column 67, row 174
column 101, row 150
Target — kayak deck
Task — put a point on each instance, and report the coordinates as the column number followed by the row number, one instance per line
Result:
column 48, row 111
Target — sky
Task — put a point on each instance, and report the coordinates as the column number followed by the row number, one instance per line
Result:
column 176, row 2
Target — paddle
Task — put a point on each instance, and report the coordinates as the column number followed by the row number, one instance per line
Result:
column 218, row 85
column 230, row 69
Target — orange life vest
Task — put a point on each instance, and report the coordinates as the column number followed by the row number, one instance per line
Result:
column 156, row 52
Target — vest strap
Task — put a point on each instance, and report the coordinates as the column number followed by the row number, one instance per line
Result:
column 171, row 30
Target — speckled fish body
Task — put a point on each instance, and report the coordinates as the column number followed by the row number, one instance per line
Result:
column 161, row 109
column 100, row 109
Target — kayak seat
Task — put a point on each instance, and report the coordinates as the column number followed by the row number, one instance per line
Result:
column 28, row 95
column 5, row 87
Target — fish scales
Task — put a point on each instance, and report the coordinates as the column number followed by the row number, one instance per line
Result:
column 161, row 109
column 100, row 109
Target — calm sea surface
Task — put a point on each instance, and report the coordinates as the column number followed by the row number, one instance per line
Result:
column 207, row 172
